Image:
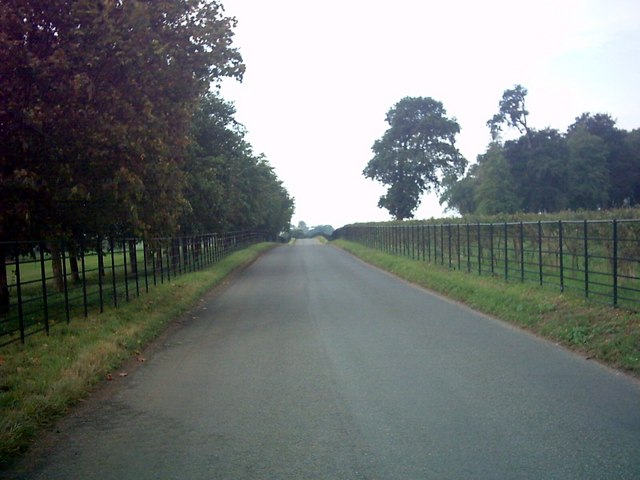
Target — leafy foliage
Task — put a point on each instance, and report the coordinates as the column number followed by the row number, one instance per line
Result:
column 414, row 154
column 228, row 187
column 97, row 99
column 594, row 165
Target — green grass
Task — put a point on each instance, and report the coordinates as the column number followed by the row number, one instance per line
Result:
column 609, row 335
column 127, row 286
column 40, row 380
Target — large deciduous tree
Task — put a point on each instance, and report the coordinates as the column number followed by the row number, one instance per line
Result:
column 96, row 103
column 415, row 153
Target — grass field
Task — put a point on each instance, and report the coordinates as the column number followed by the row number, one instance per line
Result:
column 40, row 380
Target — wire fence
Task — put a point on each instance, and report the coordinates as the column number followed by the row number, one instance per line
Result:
column 46, row 283
column 599, row 259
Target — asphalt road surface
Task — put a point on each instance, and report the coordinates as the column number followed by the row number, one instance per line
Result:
column 313, row 365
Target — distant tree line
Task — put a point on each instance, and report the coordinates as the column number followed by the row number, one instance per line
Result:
column 108, row 125
column 303, row 231
column 593, row 165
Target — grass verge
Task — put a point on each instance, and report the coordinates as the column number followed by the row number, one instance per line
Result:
column 611, row 336
column 40, row 380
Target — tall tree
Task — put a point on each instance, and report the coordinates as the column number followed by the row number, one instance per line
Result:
column 495, row 191
column 632, row 141
column 415, row 153
column 97, row 102
column 228, row 187
column 511, row 111
column 539, row 170
column 622, row 165
column 588, row 184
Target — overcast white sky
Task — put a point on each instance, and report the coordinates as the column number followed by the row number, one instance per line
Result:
column 321, row 76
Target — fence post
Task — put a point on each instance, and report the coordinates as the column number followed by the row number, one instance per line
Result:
column 442, row 244
column 113, row 272
column 85, row 301
column 506, row 252
column 492, row 258
column 468, row 247
column 100, row 272
column 615, row 262
column 126, row 273
column 540, row 250
column 43, row 279
column 561, row 251
column 145, row 258
column 19, row 292
column 586, row 258
column 521, row 251
column 64, row 281
column 413, row 241
column 449, row 244
column 479, row 251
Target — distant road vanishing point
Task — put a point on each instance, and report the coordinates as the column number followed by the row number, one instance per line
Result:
column 313, row 365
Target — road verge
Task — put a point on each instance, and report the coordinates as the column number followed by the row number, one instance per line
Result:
column 41, row 380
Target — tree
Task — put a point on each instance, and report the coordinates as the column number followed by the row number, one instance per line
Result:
column 588, row 184
column 539, row 170
column 415, row 153
column 226, row 185
column 495, row 192
column 97, row 101
column 458, row 194
column 621, row 162
column 512, row 112
column 96, row 98
column 632, row 142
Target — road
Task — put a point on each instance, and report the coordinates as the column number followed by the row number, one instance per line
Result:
column 313, row 365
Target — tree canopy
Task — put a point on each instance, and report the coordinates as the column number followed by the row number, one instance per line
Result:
column 593, row 165
column 107, row 126
column 415, row 153
column 97, row 99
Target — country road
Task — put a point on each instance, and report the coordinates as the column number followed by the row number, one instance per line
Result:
column 313, row 365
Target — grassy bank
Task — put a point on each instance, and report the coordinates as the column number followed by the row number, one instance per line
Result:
column 42, row 379
column 609, row 335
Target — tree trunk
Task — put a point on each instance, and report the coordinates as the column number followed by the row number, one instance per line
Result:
column 73, row 263
column 4, row 284
column 56, row 266
column 133, row 257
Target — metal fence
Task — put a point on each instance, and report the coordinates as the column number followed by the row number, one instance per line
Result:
column 45, row 283
column 598, row 259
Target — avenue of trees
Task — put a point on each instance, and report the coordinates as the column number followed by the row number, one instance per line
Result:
column 108, row 124
column 593, row 165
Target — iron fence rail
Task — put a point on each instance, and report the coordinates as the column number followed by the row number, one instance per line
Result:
column 50, row 282
column 599, row 259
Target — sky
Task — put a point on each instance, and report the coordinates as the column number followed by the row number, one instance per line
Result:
column 321, row 76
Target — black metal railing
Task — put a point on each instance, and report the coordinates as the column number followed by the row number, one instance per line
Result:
column 45, row 283
column 599, row 259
